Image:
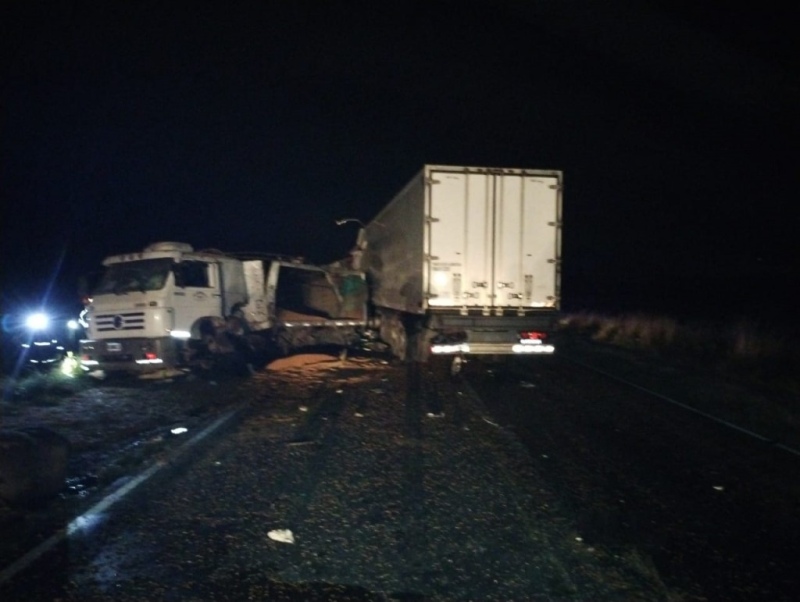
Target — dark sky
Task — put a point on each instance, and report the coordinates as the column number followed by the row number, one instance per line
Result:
column 252, row 126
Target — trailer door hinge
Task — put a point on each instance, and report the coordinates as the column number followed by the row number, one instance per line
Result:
column 432, row 180
column 430, row 219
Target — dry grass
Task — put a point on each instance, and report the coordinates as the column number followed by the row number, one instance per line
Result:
column 745, row 348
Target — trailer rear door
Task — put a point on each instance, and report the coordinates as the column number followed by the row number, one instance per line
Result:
column 493, row 239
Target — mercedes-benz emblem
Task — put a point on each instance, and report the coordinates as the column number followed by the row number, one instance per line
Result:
column 118, row 322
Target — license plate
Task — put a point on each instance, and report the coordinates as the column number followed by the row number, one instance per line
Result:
column 114, row 347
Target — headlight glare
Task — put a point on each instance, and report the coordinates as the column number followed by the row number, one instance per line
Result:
column 37, row 321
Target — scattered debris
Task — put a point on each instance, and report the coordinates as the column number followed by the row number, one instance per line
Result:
column 166, row 375
column 719, row 488
column 526, row 385
column 486, row 420
column 179, row 430
column 282, row 535
column 303, row 408
column 359, row 415
column 432, row 415
column 303, row 441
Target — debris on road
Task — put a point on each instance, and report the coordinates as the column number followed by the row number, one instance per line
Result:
column 281, row 535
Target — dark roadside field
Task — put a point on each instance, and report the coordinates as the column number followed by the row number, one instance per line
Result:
column 392, row 480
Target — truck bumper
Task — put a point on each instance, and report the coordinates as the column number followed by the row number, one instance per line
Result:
column 492, row 335
column 139, row 355
column 519, row 348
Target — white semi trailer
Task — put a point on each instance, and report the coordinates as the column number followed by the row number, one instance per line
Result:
column 466, row 260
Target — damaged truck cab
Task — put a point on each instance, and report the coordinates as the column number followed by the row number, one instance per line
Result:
column 169, row 307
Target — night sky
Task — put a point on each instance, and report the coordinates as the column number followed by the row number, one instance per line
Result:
column 253, row 126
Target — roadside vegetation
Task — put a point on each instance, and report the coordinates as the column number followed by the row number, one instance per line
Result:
column 39, row 387
column 744, row 349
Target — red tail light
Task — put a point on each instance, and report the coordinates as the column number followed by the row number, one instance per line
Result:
column 532, row 335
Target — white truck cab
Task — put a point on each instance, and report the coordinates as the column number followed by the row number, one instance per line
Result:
column 148, row 304
column 169, row 305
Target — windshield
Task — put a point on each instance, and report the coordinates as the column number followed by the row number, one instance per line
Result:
column 134, row 276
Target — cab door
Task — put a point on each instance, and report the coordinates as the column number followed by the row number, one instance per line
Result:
column 197, row 292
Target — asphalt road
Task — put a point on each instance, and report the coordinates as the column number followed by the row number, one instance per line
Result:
column 714, row 509
column 535, row 479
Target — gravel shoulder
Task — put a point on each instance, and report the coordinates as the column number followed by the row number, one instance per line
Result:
column 115, row 429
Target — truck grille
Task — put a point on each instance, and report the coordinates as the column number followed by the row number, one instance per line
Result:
column 132, row 320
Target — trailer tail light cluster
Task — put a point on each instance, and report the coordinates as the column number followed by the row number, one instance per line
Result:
column 532, row 335
column 532, row 341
